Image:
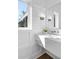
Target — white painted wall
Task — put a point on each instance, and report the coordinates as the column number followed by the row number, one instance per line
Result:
column 38, row 24
column 27, row 47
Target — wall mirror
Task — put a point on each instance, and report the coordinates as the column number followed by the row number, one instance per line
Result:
column 52, row 19
column 55, row 19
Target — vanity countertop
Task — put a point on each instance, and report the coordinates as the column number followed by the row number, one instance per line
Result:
column 42, row 38
column 49, row 36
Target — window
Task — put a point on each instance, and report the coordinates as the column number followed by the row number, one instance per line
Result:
column 22, row 8
column 23, row 23
column 24, row 15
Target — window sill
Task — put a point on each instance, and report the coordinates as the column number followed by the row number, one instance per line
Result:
column 24, row 28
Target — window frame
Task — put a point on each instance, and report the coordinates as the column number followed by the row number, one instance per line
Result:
column 29, row 20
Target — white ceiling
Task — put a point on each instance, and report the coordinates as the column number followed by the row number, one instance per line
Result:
column 27, row 0
column 43, row 3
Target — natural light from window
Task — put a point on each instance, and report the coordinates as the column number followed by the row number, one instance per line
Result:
column 22, row 9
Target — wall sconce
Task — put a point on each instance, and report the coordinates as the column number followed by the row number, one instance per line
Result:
column 49, row 18
column 42, row 16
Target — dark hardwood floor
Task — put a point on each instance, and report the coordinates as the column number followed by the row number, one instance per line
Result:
column 45, row 56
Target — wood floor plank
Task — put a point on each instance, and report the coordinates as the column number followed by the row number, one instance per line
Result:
column 45, row 56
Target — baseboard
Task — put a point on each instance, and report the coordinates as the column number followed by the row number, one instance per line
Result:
column 50, row 54
column 39, row 54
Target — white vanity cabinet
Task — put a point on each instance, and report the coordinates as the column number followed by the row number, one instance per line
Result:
column 51, row 43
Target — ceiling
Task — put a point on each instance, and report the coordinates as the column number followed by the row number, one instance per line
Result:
column 27, row 0
column 43, row 3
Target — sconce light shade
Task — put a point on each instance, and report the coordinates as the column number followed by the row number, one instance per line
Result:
column 49, row 18
column 41, row 18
